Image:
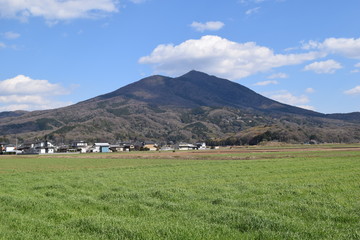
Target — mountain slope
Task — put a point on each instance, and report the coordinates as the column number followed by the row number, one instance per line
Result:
column 191, row 107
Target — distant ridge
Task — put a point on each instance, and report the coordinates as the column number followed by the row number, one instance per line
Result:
column 12, row 114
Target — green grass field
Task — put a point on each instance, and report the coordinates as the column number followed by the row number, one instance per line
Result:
column 285, row 194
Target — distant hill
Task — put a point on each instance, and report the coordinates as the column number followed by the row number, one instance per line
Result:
column 11, row 114
column 192, row 107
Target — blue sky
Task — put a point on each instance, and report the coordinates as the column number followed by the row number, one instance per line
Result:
column 55, row 53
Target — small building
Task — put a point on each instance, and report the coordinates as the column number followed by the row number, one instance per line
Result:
column 186, row 146
column 11, row 149
column 151, row 146
column 201, row 145
column 43, row 147
column 100, row 148
column 127, row 146
column 26, row 147
column 44, row 150
column 80, row 146
column 116, row 148
column 167, row 148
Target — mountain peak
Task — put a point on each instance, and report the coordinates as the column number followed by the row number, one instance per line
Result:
column 194, row 74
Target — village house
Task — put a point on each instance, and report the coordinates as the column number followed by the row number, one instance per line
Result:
column 167, row 148
column 201, row 145
column 128, row 146
column 185, row 146
column 26, row 147
column 43, row 147
column 116, row 148
column 8, row 149
column 80, row 146
column 100, row 148
column 11, row 149
column 151, row 146
column 37, row 148
column 137, row 146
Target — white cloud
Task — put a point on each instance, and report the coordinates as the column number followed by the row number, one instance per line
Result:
column 310, row 90
column 22, row 99
column 348, row 47
column 353, row 91
column 221, row 57
column 329, row 67
column 47, row 104
column 11, row 35
column 25, row 85
column 2, row 45
column 53, row 10
column 288, row 98
column 265, row 83
column 357, row 65
column 210, row 26
column 278, row 75
column 310, row 45
column 252, row 11
column 14, row 107
column 24, row 93
column 308, row 107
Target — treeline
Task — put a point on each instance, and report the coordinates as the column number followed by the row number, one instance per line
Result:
column 249, row 140
column 294, row 136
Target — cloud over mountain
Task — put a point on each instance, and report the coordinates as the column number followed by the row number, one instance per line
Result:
column 288, row 98
column 220, row 56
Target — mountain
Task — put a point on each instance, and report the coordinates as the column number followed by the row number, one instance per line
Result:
column 196, row 89
column 192, row 107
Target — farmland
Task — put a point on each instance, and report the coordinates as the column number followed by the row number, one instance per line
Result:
column 297, row 192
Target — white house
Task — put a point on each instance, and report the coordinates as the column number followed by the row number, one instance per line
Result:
column 43, row 150
column 201, row 146
column 100, row 147
column 80, row 146
column 186, row 146
column 43, row 147
column 12, row 150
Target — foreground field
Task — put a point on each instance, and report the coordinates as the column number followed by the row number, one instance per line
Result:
column 268, row 193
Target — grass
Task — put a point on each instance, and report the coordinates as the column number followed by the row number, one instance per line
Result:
column 268, row 195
